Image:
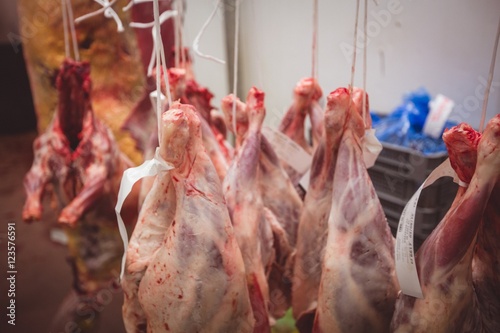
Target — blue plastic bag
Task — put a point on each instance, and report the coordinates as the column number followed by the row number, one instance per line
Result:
column 404, row 125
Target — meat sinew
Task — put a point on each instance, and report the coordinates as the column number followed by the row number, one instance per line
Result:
column 358, row 284
column 313, row 226
column 184, row 270
column 244, row 199
column 445, row 260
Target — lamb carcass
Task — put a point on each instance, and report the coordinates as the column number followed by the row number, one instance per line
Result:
column 275, row 185
column 184, row 270
column 445, row 260
column 77, row 155
column 79, row 159
column 463, row 141
column 313, row 226
column 306, row 94
column 283, row 202
column 244, row 200
column 358, row 283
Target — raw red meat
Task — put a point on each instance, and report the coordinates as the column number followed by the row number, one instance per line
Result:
column 184, row 270
column 457, row 292
column 358, row 283
column 77, row 155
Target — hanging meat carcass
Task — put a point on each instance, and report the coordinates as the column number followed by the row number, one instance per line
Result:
column 445, row 261
column 117, row 78
column 282, row 201
column 77, row 154
column 246, row 207
column 78, row 158
column 184, row 270
column 485, row 264
column 358, row 283
column 277, row 190
column 313, row 226
column 306, row 94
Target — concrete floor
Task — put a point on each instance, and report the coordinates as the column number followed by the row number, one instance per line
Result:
column 44, row 277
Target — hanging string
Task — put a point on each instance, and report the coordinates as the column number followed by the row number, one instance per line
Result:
column 314, row 73
column 490, row 79
column 354, row 45
column 181, row 39
column 65, row 28
column 160, row 54
column 365, row 44
column 163, row 17
column 176, row 36
column 108, row 11
column 196, row 42
column 165, row 76
column 73, row 31
column 235, row 65
column 133, row 2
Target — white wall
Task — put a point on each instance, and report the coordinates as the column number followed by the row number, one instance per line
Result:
column 444, row 45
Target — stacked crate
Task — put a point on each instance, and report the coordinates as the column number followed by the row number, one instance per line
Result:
column 397, row 175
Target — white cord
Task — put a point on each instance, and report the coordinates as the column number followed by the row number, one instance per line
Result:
column 108, row 11
column 196, row 42
column 490, row 79
column 315, row 41
column 365, row 23
column 353, row 67
column 133, row 2
column 72, row 29
column 162, row 18
column 235, row 67
column 65, row 28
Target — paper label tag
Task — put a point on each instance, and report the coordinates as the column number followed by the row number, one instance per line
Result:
column 371, row 148
column 287, row 150
column 304, row 181
column 406, row 269
column 153, row 99
column 131, row 176
column 440, row 109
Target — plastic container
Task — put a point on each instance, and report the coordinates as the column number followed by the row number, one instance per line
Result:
column 397, row 175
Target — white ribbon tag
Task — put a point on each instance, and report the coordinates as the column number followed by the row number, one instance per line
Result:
column 371, row 148
column 304, row 181
column 131, row 176
column 288, row 150
column 153, row 97
column 406, row 269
